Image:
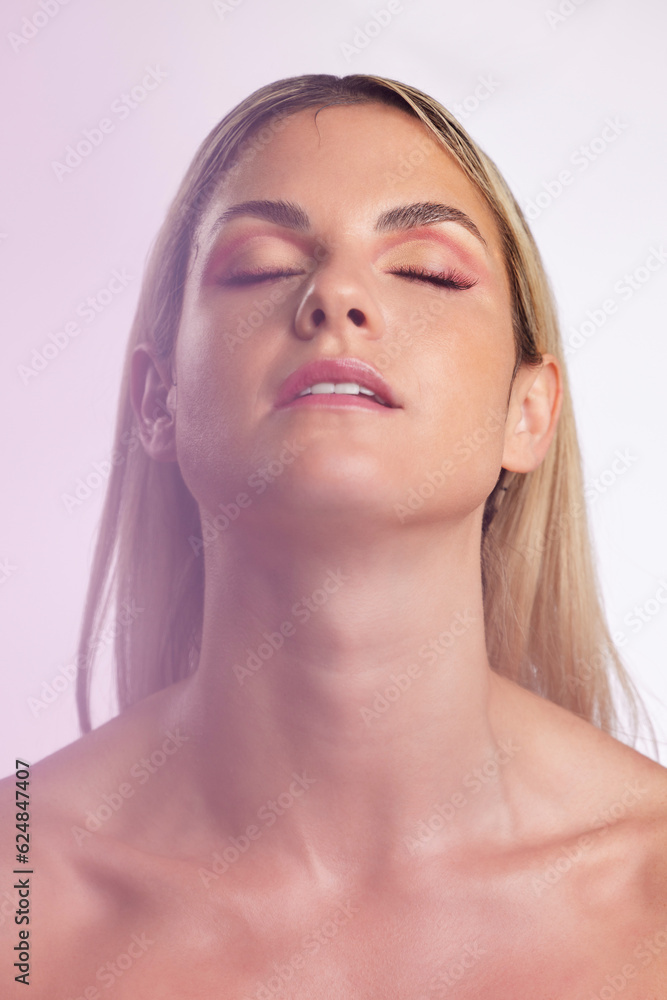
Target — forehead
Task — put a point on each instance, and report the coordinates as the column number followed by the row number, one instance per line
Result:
column 347, row 162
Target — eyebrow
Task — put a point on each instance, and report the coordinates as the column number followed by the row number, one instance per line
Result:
column 425, row 213
column 289, row 215
column 282, row 213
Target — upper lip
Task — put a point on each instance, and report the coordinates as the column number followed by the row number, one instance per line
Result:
column 335, row 370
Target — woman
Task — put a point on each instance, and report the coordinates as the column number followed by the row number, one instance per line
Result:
column 353, row 758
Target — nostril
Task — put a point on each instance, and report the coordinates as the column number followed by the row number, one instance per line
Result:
column 356, row 316
column 318, row 317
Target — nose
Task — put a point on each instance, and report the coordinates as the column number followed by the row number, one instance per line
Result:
column 337, row 302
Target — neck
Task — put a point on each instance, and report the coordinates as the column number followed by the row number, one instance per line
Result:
column 346, row 682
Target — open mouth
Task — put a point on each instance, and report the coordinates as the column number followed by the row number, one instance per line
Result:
column 337, row 382
column 342, row 389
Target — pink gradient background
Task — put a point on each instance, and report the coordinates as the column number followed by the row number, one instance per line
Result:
column 60, row 241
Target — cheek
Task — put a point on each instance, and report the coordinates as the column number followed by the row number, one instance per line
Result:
column 467, row 337
column 466, row 365
column 209, row 424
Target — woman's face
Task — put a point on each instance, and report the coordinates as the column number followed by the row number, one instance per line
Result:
column 371, row 244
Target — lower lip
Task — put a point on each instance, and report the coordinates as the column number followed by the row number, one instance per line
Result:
column 337, row 400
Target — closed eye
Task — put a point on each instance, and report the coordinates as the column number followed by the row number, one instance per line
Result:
column 444, row 279
column 256, row 275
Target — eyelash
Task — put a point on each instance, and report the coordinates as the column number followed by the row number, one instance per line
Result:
column 444, row 279
column 259, row 274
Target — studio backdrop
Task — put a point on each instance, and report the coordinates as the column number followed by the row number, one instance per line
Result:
column 105, row 102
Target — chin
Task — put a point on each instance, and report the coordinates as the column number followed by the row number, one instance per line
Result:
column 348, row 489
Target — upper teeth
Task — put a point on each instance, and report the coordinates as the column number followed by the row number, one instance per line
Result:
column 351, row 388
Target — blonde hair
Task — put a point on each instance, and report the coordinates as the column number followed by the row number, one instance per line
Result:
column 545, row 627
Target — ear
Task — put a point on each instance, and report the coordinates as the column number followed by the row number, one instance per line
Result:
column 153, row 398
column 535, row 403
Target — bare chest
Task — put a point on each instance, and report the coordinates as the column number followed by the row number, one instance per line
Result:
column 362, row 948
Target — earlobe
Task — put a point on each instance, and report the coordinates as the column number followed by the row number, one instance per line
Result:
column 535, row 404
column 154, row 402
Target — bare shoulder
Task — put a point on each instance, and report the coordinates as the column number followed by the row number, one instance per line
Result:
column 591, row 795
column 84, row 874
column 39, row 888
column 588, row 847
column 584, row 771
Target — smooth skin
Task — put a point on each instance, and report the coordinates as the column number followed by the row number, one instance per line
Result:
column 460, row 836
